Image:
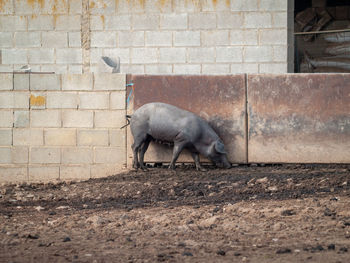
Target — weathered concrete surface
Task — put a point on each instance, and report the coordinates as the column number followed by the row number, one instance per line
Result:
column 218, row 99
column 296, row 118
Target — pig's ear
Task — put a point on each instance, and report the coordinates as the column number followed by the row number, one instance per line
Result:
column 219, row 147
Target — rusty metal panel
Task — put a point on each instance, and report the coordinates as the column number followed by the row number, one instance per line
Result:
column 218, row 99
column 299, row 118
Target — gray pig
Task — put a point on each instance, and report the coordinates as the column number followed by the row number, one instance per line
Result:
column 168, row 124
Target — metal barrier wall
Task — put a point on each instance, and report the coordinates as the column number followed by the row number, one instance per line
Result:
column 279, row 118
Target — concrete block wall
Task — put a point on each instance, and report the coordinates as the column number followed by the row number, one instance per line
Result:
column 149, row 36
column 192, row 37
column 61, row 126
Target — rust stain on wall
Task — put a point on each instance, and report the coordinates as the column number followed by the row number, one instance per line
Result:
column 37, row 100
column 40, row 2
column 103, row 20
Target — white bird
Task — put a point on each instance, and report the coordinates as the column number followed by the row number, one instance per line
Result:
column 113, row 64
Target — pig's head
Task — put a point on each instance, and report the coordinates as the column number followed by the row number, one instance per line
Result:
column 218, row 155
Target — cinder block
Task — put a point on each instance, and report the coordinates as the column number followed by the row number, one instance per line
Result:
column 45, row 82
column 45, row 155
column 273, row 68
column 258, row 54
column 20, row 154
column 97, row 22
column 27, row 39
column 104, row 170
column 6, row 119
column 93, row 137
column 173, row 21
column 93, row 100
column 159, row 38
column 228, row 20
column 119, row 22
column 5, row 155
column 14, row 56
column 210, row 6
column 13, row 23
column 6, row 81
column 144, row 55
column 280, row 53
column 103, row 39
column 201, row 55
column 172, row 55
column 45, row 118
column 16, row 100
column 244, row 5
column 107, row 81
column 21, row 100
column 202, row 21
column 75, row 172
column 7, row 8
column 181, row 6
column 74, row 39
column 215, row 38
column 21, row 81
column 280, row 19
column 145, row 22
column 54, row 68
column 68, row 22
column 75, row 69
column 244, row 37
column 21, row 119
column 13, row 174
column 273, row 37
column 75, row 7
column 245, row 68
column 102, row 7
column 69, row 56
column 133, row 69
column 257, row 20
column 6, row 39
column 187, row 38
column 5, row 137
column 60, row 137
column 37, row 100
column 229, row 54
column 131, row 39
column 62, row 100
column 54, row 39
column 77, row 81
column 77, row 155
column 110, row 155
column 117, row 100
column 216, row 69
column 75, row 118
column 28, row 137
column 110, row 119
column 41, row 23
column 117, row 137
column 273, row 5
column 187, row 69
column 43, row 173
column 159, row 69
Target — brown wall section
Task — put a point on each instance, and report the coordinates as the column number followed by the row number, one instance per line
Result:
column 218, row 99
column 299, row 118
column 291, row 118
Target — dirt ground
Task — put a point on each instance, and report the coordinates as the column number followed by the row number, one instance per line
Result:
column 275, row 213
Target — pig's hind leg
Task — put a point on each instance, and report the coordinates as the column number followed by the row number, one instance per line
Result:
column 142, row 151
column 139, row 140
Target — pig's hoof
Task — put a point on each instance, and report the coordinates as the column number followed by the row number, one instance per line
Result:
column 202, row 169
column 171, row 167
column 144, row 169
